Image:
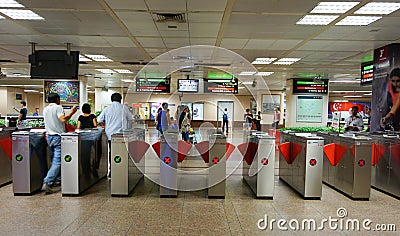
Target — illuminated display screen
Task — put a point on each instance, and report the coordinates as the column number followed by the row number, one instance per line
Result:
column 188, row 85
column 367, row 73
column 310, row 86
column 221, row 86
column 68, row 91
column 158, row 85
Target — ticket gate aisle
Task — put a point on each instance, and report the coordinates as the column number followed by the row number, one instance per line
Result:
column 29, row 161
column 300, row 163
column 83, row 160
column 217, row 166
column 347, row 164
column 127, row 160
column 386, row 164
column 169, row 163
column 258, row 165
column 5, row 157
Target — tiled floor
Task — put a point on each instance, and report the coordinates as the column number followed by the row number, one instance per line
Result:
column 191, row 213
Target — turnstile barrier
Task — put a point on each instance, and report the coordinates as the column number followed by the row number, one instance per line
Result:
column 29, row 161
column 127, row 163
column 83, row 160
column 258, row 164
column 300, row 163
column 347, row 164
column 386, row 164
column 5, row 157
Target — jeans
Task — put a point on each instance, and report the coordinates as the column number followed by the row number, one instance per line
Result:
column 276, row 124
column 224, row 123
column 54, row 173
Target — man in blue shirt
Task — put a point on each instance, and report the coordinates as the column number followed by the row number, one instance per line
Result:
column 116, row 118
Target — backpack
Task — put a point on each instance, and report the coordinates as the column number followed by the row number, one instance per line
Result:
column 225, row 116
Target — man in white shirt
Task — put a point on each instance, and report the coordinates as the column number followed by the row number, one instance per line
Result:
column 355, row 121
column 54, row 120
column 116, row 118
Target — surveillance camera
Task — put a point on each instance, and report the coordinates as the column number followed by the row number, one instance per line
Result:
column 254, row 84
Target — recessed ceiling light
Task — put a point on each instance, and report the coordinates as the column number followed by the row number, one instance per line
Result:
column 263, row 60
column 10, row 4
column 333, row 7
column 287, row 61
column 106, row 71
column 21, row 14
column 98, row 57
column 127, row 80
column 247, row 73
column 123, row 71
column 358, row 20
column 380, row 8
column 317, row 19
column 83, row 58
column 265, row 73
column 247, row 82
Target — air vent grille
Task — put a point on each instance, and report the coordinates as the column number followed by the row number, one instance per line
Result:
column 171, row 17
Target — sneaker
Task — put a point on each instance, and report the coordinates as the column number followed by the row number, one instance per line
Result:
column 50, row 189
column 57, row 183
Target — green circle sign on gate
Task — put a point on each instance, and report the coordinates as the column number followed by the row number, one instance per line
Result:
column 67, row 158
column 117, row 159
column 19, row 157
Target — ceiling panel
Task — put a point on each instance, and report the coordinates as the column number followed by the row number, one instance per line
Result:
column 233, row 43
column 202, row 41
column 9, row 39
column 116, row 54
column 120, row 41
column 165, row 26
column 204, row 18
column 206, row 5
column 259, row 44
column 164, row 6
column 87, row 23
column 151, row 42
column 10, row 27
column 83, row 41
column 75, row 4
column 129, row 5
column 139, row 23
column 284, row 44
column 204, row 29
column 174, row 33
column 289, row 6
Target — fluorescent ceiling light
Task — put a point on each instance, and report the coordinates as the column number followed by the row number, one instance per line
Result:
column 30, row 91
column 358, row 20
column 106, row 71
column 379, row 8
column 10, row 4
column 241, row 87
column 263, row 60
column 333, row 7
column 287, row 61
column 127, row 80
column 21, row 14
column 83, row 58
column 1, row 17
column 123, row 71
column 98, row 57
column 317, row 19
column 367, row 94
column 247, row 73
column 353, row 96
column 265, row 73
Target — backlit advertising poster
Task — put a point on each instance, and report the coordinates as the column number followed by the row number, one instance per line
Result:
column 153, row 109
column 343, row 110
column 385, row 89
column 198, row 111
column 144, row 109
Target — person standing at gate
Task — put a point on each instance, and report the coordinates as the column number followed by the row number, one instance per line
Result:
column 163, row 119
column 258, row 121
column 21, row 122
column 225, row 121
column 116, row 118
column 54, row 120
column 277, row 118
